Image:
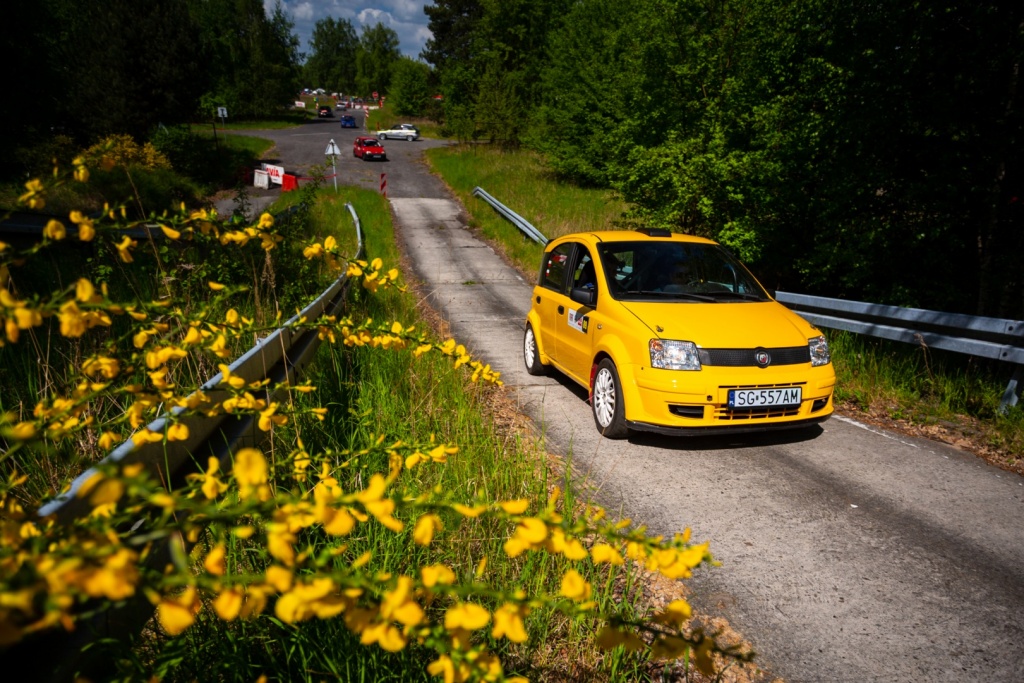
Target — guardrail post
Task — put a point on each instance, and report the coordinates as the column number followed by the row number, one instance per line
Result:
column 1009, row 399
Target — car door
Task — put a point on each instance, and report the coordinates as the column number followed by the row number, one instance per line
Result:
column 575, row 337
column 549, row 297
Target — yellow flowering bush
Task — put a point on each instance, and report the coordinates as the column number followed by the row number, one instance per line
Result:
column 249, row 535
column 120, row 149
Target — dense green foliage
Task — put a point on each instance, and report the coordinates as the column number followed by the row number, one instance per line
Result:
column 90, row 69
column 845, row 149
column 332, row 59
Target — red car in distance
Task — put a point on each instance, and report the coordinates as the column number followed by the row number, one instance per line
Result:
column 368, row 148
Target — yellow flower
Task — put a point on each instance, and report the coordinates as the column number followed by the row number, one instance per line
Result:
column 212, row 485
column 530, row 534
column 675, row 614
column 250, row 470
column 215, row 560
column 444, row 667
column 437, row 574
column 385, row 635
column 602, row 552
column 399, row 606
column 508, row 622
column 177, row 432
column 215, row 286
column 177, row 614
column 55, row 230
column 228, row 604
column 574, row 586
column 426, row 526
column 84, row 290
column 515, row 507
column 34, row 197
column 124, row 249
column 610, row 638
column 108, row 439
column 170, row 232
column 466, row 615
column 266, row 221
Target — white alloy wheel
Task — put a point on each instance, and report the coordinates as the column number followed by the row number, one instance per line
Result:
column 531, row 354
column 606, row 401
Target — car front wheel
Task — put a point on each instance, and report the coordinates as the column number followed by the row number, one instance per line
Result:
column 382, row 137
column 531, row 354
column 606, row 401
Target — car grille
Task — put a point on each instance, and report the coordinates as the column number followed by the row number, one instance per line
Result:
column 750, row 414
column 785, row 355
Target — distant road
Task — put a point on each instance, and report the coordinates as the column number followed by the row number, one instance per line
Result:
column 848, row 553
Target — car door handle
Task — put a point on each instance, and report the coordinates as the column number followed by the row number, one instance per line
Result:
column 561, row 310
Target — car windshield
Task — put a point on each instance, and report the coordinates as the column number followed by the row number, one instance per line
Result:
column 676, row 271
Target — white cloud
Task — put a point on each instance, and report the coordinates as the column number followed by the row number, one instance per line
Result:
column 405, row 17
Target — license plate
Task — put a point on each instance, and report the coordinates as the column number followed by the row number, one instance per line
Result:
column 763, row 398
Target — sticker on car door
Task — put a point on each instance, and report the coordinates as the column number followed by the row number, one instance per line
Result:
column 577, row 320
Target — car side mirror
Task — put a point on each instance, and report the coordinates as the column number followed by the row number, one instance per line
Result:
column 583, row 296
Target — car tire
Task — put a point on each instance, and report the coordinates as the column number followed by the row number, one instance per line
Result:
column 606, row 402
column 531, row 353
column 382, row 137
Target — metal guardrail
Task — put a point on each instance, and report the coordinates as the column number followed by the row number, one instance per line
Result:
column 517, row 220
column 993, row 338
column 279, row 357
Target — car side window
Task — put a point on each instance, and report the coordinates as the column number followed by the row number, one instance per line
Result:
column 584, row 276
column 555, row 266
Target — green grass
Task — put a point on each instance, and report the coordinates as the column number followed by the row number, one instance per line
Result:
column 520, row 181
column 370, row 393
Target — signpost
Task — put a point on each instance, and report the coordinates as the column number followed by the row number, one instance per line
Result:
column 333, row 152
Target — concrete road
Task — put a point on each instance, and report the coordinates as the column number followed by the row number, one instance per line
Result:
column 848, row 553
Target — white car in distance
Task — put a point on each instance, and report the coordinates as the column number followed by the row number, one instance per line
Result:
column 403, row 131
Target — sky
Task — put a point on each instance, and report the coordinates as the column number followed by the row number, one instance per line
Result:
column 404, row 17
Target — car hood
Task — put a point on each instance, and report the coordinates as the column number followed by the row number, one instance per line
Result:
column 725, row 325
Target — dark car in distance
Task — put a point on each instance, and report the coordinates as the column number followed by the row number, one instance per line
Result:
column 348, row 121
column 325, row 112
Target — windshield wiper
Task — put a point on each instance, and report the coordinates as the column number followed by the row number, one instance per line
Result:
column 678, row 295
column 743, row 296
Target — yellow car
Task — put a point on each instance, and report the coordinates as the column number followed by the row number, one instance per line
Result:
column 671, row 334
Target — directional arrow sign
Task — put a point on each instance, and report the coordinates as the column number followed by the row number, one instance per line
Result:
column 332, row 149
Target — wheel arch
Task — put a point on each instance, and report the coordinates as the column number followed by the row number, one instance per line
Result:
column 615, row 350
column 533, row 320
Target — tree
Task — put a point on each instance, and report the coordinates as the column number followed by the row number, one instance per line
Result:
column 126, row 66
column 410, row 93
column 253, row 59
column 376, row 59
column 332, row 60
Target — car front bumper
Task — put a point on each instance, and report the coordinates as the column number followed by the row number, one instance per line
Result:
column 689, row 403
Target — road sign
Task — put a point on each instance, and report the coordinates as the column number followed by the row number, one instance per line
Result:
column 222, row 112
column 332, row 149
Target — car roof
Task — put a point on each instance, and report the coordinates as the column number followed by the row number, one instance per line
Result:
column 641, row 235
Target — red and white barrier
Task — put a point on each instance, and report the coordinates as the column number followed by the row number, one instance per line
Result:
column 384, row 184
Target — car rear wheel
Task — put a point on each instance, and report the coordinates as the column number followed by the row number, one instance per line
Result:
column 606, row 402
column 382, row 137
column 531, row 354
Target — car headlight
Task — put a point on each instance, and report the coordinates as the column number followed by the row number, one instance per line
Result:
column 819, row 351
column 669, row 354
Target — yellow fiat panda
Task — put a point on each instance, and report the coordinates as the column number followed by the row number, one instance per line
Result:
column 671, row 334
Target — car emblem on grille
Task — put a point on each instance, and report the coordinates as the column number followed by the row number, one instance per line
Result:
column 762, row 358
